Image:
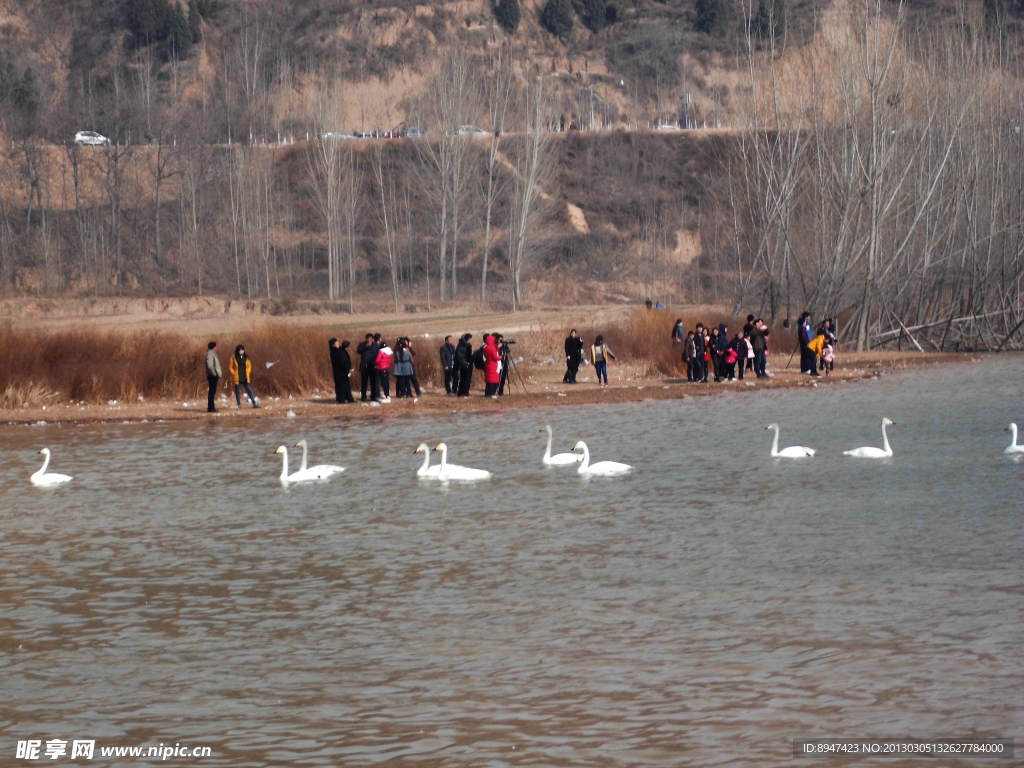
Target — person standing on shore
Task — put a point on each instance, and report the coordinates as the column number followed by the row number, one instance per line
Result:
column 403, row 369
column 678, row 333
column 384, row 357
column 213, row 374
column 341, row 369
column 700, row 371
column 805, row 333
column 412, row 377
column 240, row 369
column 757, row 344
column 451, row 375
column 573, row 356
column 599, row 354
column 464, row 364
column 492, row 367
column 715, row 349
column 367, row 352
column 689, row 350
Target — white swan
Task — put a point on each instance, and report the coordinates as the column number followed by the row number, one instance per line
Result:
column 298, row 477
column 426, row 470
column 869, row 451
column 456, row 472
column 320, row 470
column 559, row 459
column 1013, row 447
column 42, row 477
column 602, row 467
column 793, row 452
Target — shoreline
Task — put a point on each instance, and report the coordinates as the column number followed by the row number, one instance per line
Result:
column 546, row 389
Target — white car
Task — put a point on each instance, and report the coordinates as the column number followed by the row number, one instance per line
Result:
column 338, row 135
column 91, row 139
column 469, row 130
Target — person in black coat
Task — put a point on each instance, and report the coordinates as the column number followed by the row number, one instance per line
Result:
column 700, row 369
column 464, row 364
column 573, row 355
column 451, row 374
column 341, row 367
column 367, row 352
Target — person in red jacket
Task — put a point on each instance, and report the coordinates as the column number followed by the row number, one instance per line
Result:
column 492, row 366
column 383, row 367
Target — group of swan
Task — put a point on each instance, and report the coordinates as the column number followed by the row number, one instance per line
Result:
column 445, row 471
column 866, row 452
column 319, row 472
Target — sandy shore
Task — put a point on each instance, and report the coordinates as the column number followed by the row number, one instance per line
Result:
column 544, row 388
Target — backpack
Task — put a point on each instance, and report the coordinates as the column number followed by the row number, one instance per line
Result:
column 478, row 359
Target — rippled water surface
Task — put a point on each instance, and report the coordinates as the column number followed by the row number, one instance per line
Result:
column 706, row 609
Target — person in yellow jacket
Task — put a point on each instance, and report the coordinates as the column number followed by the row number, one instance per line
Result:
column 240, row 369
column 816, row 345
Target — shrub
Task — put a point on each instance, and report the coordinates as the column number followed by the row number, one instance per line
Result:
column 557, row 18
column 593, row 13
column 507, row 13
column 770, row 21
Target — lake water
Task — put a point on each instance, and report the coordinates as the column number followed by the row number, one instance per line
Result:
column 706, row 609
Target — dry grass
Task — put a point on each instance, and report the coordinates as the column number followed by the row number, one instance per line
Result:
column 43, row 368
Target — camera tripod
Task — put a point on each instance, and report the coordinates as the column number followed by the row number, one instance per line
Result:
column 509, row 372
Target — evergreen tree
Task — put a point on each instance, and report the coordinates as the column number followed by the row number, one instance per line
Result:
column 770, row 21
column 507, row 13
column 26, row 93
column 194, row 17
column 712, row 16
column 995, row 17
column 593, row 13
column 179, row 35
column 557, row 18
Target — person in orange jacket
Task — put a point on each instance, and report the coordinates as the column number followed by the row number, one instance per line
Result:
column 492, row 366
column 240, row 369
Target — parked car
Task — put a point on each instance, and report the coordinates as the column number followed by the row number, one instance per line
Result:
column 469, row 130
column 416, row 133
column 668, row 127
column 338, row 135
column 91, row 139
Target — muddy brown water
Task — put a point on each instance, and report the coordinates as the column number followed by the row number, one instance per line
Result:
column 706, row 609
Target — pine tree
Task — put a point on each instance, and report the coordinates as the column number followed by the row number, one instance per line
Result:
column 770, row 21
column 507, row 13
column 995, row 17
column 712, row 17
column 194, row 18
column 557, row 18
column 179, row 35
column 593, row 13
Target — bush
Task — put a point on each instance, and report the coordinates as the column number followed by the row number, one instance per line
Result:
column 507, row 13
column 557, row 18
column 770, row 21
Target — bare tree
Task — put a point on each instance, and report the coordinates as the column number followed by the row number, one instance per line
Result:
column 385, row 179
column 500, row 91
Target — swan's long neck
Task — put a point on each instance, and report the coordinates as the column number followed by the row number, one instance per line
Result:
column 305, row 454
column 1013, row 433
column 284, row 464
column 46, row 460
column 426, row 459
column 444, row 458
column 547, row 451
column 885, row 440
column 586, row 458
column 775, row 442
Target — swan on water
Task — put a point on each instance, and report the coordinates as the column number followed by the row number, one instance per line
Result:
column 42, row 477
column 1013, row 447
column 601, row 467
column 869, row 451
column 793, row 452
column 456, row 472
column 320, row 470
column 426, row 470
column 559, row 459
column 297, row 477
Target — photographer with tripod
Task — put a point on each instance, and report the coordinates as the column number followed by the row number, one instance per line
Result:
column 492, row 365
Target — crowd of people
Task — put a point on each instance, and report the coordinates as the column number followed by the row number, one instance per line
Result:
column 709, row 352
